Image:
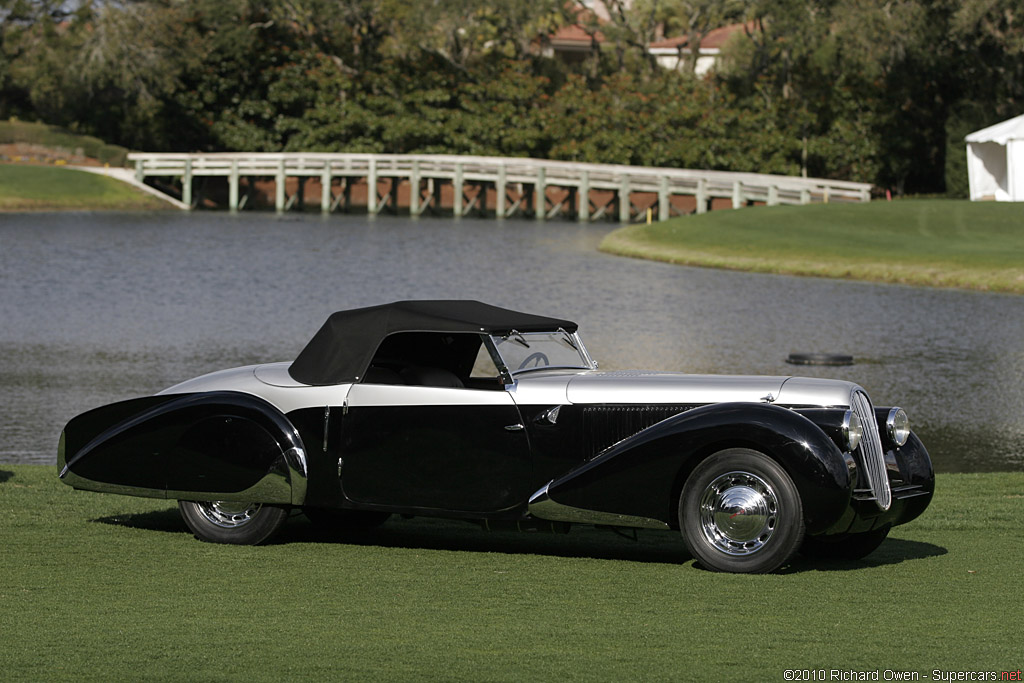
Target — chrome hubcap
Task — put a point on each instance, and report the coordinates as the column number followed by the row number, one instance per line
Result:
column 227, row 514
column 738, row 513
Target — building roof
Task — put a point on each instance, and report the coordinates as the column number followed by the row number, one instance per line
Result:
column 712, row 41
column 1011, row 129
column 574, row 37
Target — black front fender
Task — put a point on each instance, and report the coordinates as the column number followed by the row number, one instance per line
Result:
column 642, row 476
column 207, row 446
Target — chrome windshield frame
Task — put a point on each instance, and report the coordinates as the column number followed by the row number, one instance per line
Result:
column 573, row 339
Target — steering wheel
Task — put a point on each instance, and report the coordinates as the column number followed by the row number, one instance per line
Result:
column 537, row 358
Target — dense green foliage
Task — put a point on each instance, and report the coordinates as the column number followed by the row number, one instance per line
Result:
column 34, row 188
column 103, row 587
column 863, row 90
column 936, row 242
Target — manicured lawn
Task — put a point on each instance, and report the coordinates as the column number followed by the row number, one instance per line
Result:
column 29, row 188
column 946, row 243
column 103, row 587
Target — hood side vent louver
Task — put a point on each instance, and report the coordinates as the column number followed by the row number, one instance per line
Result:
column 605, row 426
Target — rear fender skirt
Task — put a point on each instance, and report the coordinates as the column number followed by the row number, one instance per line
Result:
column 206, row 446
column 639, row 477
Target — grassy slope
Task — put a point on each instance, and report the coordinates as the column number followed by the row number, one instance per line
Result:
column 113, row 588
column 924, row 242
column 49, row 188
column 61, row 140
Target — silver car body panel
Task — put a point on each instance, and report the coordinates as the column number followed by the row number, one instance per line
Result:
column 810, row 391
column 256, row 380
column 272, row 383
column 402, row 395
column 633, row 386
column 542, row 506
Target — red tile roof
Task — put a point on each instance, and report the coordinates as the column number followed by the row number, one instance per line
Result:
column 714, row 39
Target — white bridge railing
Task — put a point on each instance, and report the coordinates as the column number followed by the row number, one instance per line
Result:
column 543, row 188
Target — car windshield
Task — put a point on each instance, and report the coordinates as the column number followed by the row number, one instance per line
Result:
column 540, row 350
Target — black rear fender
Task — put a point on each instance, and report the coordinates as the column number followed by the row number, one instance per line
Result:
column 207, row 446
column 642, row 476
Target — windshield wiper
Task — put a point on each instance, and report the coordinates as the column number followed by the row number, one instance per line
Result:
column 515, row 336
column 568, row 340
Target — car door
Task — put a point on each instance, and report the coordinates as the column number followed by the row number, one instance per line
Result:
column 437, row 448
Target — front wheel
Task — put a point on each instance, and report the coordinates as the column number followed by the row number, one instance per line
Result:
column 221, row 521
column 740, row 512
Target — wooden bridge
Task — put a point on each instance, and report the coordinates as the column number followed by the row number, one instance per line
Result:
column 465, row 185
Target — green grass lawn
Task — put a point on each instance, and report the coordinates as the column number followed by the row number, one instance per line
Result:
column 937, row 242
column 103, row 587
column 29, row 188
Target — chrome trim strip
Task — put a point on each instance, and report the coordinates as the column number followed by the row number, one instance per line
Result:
column 273, row 488
column 542, row 506
column 911, row 494
column 298, row 473
column 278, row 487
column 909, row 491
column 83, row 484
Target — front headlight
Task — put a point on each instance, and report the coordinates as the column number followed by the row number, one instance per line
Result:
column 898, row 426
column 852, row 430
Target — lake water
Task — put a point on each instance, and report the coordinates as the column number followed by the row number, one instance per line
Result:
column 98, row 307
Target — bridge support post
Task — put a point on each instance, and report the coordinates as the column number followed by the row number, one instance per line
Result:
column 499, row 187
column 624, row 204
column 371, row 188
column 737, row 195
column 233, row 187
column 457, row 191
column 186, row 184
column 414, row 189
column 702, row 196
column 279, row 187
column 540, row 195
column 773, row 195
column 584, row 197
column 325, row 188
column 805, row 196
column 663, row 199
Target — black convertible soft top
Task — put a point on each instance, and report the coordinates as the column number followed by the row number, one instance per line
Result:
column 342, row 349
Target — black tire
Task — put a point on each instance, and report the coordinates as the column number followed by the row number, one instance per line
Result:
column 740, row 482
column 333, row 519
column 844, row 546
column 228, row 522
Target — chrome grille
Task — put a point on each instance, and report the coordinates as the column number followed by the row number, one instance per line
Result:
column 872, row 456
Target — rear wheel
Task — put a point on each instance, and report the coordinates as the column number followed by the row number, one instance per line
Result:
column 221, row 521
column 844, row 546
column 740, row 512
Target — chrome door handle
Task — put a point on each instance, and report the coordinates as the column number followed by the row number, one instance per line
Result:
column 514, row 428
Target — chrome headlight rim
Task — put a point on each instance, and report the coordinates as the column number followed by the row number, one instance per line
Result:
column 897, row 425
column 853, row 430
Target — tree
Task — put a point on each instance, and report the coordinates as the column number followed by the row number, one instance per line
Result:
column 695, row 19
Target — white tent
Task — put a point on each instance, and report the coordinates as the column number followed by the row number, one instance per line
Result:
column 995, row 161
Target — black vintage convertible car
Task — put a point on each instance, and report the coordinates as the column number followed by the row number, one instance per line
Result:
column 460, row 409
